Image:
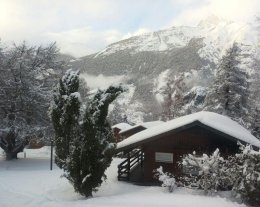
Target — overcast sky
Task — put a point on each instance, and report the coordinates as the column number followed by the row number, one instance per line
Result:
column 82, row 27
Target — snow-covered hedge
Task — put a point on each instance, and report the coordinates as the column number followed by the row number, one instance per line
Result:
column 239, row 173
column 206, row 172
column 245, row 169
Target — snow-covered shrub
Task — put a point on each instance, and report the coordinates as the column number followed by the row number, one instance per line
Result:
column 240, row 172
column 83, row 136
column 245, row 170
column 166, row 178
column 206, row 172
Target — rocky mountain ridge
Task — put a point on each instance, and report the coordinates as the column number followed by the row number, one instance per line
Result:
column 193, row 50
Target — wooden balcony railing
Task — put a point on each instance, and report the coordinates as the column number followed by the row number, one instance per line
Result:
column 132, row 161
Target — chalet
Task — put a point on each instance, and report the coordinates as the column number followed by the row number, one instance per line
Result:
column 138, row 128
column 118, row 128
column 165, row 144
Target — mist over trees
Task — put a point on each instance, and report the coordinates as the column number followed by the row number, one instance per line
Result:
column 233, row 91
column 172, row 94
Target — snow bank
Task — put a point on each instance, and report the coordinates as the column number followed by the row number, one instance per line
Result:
column 216, row 121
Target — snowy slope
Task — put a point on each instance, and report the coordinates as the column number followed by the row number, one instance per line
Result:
column 218, row 34
column 156, row 41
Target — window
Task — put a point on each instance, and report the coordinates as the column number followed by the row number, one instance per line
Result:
column 163, row 157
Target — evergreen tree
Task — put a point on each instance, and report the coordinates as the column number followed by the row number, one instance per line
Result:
column 229, row 92
column 65, row 114
column 84, row 139
column 255, row 122
column 253, row 117
column 99, row 144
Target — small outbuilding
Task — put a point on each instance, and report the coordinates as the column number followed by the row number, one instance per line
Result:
column 118, row 128
column 138, row 128
column 165, row 144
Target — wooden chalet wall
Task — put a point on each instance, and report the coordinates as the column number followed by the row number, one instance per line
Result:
column 196, row 138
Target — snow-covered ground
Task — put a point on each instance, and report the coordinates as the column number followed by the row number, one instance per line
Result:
column 28, row 182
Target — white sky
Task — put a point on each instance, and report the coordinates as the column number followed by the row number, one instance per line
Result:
column 82, row 27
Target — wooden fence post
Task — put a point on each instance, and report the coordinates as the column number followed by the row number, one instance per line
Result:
column 51, row 154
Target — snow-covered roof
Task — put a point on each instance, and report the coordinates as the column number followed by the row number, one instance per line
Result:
column 145, row 125
column 122, row 126
column 210, row 119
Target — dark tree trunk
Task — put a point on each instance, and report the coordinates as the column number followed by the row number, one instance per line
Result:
column 11, row 156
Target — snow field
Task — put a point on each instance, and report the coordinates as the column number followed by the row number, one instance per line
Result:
column 28, row 182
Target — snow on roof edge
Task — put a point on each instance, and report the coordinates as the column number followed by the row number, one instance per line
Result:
column 122, row 126
column 144, row 124
column 219, row 122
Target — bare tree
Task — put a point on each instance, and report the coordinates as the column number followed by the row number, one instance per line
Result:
column 27, row 75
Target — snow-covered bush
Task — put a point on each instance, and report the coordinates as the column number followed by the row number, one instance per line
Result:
column 166, row 178
column 245, row 169
column 83, row 136
column 206, row 172
column 239, row 172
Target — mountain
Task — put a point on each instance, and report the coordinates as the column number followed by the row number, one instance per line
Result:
column 193, row 51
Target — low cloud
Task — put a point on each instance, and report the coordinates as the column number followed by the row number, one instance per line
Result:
column 102, row 81
column 197, row 10
column 138, row 32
